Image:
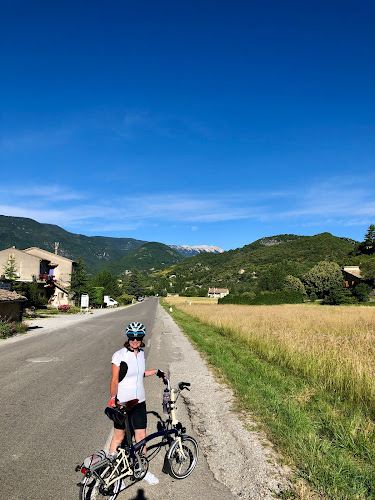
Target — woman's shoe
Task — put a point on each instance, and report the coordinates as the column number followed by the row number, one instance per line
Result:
column 150, row 478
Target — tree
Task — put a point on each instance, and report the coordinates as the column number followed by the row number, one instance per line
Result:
column 10, row 269
column 272, row 278
column 134, row 285
column 179, row 284
column 109, row 282
column 323, row 279
column 294, row 284
column 368, row 245
column 368, row 270
column 361, row 292
column 370, row 237
column 338, row 296
column 79, row 282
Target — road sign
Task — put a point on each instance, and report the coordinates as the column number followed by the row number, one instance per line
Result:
column 85, row 300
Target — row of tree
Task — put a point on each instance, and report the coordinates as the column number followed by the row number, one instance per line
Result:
column 105, row 283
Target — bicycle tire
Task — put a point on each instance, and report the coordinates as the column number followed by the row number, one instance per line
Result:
column 179, row 466
column 89, row 489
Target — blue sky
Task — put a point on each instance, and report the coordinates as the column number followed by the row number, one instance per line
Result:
column 200, row 122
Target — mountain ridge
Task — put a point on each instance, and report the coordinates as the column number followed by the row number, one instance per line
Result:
column 96, row 251
column 149, row 257
column 236, row 269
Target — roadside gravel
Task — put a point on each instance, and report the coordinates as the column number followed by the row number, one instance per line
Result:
column 241, row 459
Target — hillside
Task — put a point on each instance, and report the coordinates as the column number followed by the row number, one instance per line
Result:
column 148, row 257
column 299, row 253
column 94, row 250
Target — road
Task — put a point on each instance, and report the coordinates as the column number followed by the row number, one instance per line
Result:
column 54, row 388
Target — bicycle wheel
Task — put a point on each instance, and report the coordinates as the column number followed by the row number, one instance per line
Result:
column 182, row 463
column 90, row 487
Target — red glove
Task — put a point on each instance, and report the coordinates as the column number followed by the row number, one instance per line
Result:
column 112, row 401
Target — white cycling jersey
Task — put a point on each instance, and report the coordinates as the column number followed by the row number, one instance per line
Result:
column 132, row 371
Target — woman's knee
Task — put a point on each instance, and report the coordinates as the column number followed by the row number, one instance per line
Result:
column 139, row 434
column 118, row 436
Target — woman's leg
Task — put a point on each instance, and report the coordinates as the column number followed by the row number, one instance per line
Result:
column 140, row 434
column 118, row 436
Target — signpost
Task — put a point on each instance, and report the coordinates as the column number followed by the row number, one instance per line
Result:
column 85, row 302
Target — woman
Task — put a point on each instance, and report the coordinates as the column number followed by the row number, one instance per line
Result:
column 128, row 371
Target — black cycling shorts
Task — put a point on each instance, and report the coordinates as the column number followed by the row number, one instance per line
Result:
column 138, row 417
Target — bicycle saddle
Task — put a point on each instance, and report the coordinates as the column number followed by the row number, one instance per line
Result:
column 128, row 405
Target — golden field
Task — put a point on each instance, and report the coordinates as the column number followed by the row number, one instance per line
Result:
column 332, row 345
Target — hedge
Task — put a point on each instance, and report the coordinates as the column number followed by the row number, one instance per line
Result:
column 265, row 298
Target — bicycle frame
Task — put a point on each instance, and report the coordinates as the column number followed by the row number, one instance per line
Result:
column 122, row 467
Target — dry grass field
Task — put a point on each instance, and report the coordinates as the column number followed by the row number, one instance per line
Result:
column 334, row 346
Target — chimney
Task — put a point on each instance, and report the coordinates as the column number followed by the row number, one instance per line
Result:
column 56, row 247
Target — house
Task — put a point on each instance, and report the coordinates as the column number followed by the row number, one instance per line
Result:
column 11, row 305
column 352, row 276
column 58, row 266
column 217, row 292
column 50, row 271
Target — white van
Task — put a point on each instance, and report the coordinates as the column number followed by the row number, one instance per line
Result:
column 109, row 302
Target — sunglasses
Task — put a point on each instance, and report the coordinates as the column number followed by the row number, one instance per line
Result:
column 138, row 339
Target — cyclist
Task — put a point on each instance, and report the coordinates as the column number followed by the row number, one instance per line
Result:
column 128, row 371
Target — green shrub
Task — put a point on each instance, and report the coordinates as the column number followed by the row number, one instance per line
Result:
column 250, row 295
column 97, row 295
column 125, row 299
column 42, row 302
column 339, row 296
column 264, row 298
column 294, row 284
column 362, row 292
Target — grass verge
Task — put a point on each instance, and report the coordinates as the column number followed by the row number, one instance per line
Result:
column 330, row 440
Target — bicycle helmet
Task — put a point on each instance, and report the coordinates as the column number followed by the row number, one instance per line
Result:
column 135, row 329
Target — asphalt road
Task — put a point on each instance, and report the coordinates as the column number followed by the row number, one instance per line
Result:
column 54, row 388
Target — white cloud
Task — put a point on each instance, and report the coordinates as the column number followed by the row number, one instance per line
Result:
column 345, row 203
column 37, row 139
column 50, row 192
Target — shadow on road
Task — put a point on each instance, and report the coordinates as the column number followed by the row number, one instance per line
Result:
column 140, row 495
column 33, row 327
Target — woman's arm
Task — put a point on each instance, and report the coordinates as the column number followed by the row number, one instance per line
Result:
column 158, row 372
column 114, row 380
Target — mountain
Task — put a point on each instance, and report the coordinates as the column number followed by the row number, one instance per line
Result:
column 187, row 251
column 297, row 253
column 149, row 257
column 94, row 250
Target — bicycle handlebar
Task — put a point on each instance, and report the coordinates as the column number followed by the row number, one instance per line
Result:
column 181, row 385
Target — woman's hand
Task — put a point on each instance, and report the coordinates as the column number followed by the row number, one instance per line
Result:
column 112, row 402
column 160, row 373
